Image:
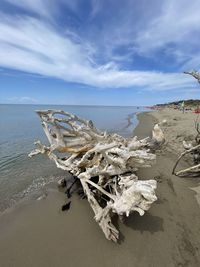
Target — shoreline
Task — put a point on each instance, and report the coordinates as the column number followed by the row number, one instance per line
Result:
column 145, row 125
column 38, row 233
column 31, row 193
column 19, row 175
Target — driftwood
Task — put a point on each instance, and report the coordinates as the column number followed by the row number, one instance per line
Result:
column 105, row 164
column 192, row 149
column 193, row 170
column 194, row 74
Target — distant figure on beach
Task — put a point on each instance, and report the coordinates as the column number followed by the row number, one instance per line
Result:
column 183, row 106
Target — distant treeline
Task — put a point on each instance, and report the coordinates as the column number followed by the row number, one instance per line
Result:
column 189, row 102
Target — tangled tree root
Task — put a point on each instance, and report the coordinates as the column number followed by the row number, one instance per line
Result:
column 105, row 164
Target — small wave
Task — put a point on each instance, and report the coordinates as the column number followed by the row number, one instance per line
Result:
column 129, row 119
column 35, row 190
column 9, row 161
column 38, row 184
column 6, row 142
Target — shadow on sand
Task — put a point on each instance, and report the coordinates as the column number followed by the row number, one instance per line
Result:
column 147, row 222
column 144, row 223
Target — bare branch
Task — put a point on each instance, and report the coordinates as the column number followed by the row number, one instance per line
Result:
column 194, row 73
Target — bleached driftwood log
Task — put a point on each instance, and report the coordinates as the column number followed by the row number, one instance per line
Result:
column 106, row 165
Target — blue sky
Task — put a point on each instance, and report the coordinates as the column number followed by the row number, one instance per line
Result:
column 98, row 52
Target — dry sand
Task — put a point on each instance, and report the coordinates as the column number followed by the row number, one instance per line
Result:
column 37, row 233
column 179, row 126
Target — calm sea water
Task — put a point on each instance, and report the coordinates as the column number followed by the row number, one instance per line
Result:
column 20, row 127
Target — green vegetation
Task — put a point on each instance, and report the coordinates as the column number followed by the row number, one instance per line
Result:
column 188, row 103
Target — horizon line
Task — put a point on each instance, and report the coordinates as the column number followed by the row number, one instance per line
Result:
column 75, row 105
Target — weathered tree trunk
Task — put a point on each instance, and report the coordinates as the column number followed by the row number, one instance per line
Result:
column 78, row 147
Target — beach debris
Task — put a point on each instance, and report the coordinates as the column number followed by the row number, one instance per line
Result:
column 62, row 183
column 192, row 149
column 66, row 206
column 164, row 122
column 157, row 135
column 43, row 196
column 67, row 192
column 105, row 164
column 193, row 170
column 186, row 145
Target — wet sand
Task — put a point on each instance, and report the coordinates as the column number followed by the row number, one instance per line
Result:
column 38, row 233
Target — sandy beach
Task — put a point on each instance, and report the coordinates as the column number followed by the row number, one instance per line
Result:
column 178, row 127
column 38, row 233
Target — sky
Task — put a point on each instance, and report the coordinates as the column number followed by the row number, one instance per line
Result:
column 98, row 52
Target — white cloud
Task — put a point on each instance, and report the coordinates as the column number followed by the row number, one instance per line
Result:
column 46, row 8
column 33, row 46
column 192, row 63
column 96, row 6
column 176, row 27
column 36, row 6
column 163, row 30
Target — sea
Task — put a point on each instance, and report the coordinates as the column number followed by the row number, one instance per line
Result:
column 21, row 176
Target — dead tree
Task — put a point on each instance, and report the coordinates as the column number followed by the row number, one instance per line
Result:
column 194, row 74
column 105, row 164
column 191, row 149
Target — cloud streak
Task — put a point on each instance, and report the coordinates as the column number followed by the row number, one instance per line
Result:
column 36, row 6
column 175, row 32
column 37, row 46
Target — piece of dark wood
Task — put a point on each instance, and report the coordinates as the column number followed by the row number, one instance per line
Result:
column 66, row 206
